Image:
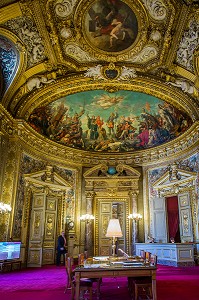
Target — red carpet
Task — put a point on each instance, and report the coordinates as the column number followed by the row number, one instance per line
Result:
column 48, row 283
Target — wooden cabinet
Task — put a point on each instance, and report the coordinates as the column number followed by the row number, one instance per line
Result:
column 11, row 265
column 176, row 254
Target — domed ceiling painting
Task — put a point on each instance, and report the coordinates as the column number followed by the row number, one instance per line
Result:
column 110, row 122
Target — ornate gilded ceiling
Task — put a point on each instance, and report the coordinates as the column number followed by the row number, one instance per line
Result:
column 134, row 60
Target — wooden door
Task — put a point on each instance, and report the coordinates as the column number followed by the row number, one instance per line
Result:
column 42, row 234
column 49, row 239
column 110, row 209
column 185, row 218
column 159, row 220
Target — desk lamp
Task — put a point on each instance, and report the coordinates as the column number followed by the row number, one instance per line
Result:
column 114, row 231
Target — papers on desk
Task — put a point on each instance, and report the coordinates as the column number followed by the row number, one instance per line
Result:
column 114, row 265
column 94, row 266
column 101, row 258
column 112, row 262
column 132, row 264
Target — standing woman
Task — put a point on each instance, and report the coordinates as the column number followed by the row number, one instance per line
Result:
column 61, row 248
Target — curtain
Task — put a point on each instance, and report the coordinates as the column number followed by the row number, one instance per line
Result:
column 173, row 217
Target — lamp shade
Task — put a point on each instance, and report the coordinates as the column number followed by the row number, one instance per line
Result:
column 114, row 229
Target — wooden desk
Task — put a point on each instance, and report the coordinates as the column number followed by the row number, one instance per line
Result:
column 103, row 272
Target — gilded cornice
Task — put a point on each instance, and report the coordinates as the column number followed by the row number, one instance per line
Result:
column 10, row 12
column 6, row 121
column 42, row 147
column 74, row 84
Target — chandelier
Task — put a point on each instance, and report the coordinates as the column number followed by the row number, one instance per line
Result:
column 87, row 217
column 135, row 216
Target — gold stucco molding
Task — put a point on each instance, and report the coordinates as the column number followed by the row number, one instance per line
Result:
column 74, row 84
column 33, row 141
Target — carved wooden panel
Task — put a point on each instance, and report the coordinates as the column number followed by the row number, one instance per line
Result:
column 51, row 203
column 183, row 200
column 159, row 217
column 185, row 218
column 50, row 226
column 106, row 207
column 36, row 229
column 38, row 200
column 109, row 210
column 37, row 224
column 48, row 256
column 35, row 257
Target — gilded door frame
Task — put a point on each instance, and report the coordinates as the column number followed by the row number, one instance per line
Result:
column 99, row 184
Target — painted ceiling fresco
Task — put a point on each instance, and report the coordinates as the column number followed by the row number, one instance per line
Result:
column 114, row 122
column 111, row 26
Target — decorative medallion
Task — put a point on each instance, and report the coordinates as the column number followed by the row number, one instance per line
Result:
column 111, row 25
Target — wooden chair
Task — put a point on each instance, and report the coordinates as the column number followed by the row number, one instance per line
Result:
column 131, row 279
column 81, row 258
column 69, row 264
column 147, row 256
column 143, row 254
column 143, row 285
column 86, row 284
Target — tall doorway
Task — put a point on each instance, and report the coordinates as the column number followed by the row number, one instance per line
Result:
column 110, row 209
column 173, row 221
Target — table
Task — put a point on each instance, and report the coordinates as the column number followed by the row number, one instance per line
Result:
column 115, row 271
column 10, row 265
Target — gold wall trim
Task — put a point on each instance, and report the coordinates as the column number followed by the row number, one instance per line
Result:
column 44, row 147
column 30, row 72
column 10, row 12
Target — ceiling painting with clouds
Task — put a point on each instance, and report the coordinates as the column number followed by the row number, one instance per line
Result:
column 109, row 122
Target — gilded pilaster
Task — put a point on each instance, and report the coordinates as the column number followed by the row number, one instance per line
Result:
column 9, row 185
column 194, row 208
column 134, row 196
column 89, row 224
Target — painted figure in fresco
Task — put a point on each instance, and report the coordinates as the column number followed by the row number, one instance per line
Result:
column 92, row 125
column 111, row 124
column 167, row 117
column 125, row 128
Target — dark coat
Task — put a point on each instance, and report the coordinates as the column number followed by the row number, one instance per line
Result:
column 61, row 244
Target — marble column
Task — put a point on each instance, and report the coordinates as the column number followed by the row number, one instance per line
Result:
column 133, row 195
column 89, row 223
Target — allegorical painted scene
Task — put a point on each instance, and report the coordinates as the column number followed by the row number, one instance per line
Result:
column 111, row 25
column 115, row 122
